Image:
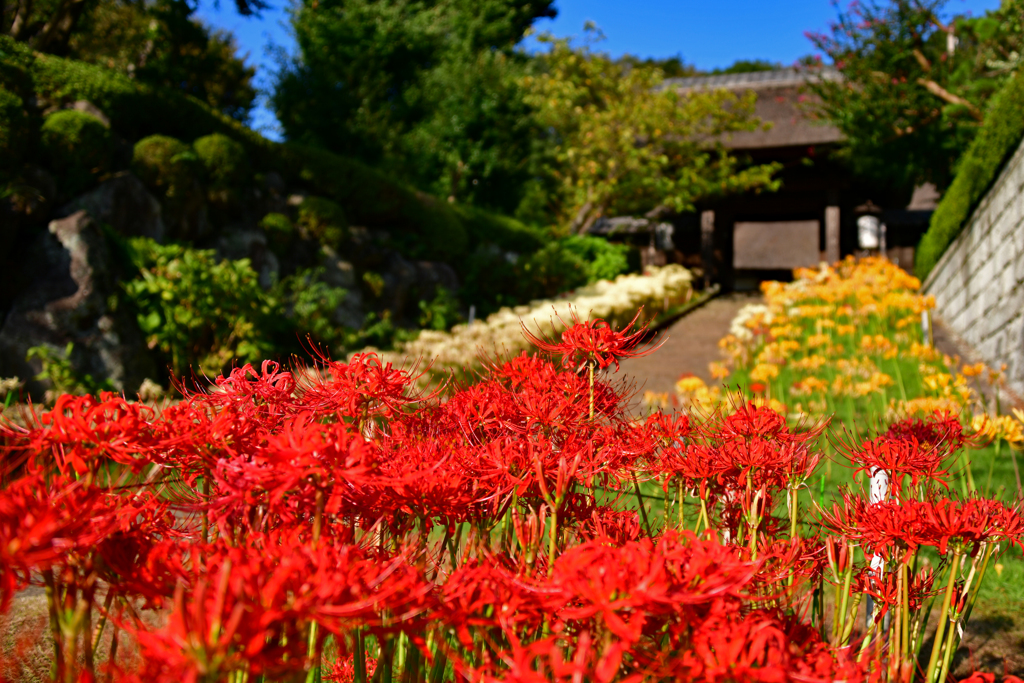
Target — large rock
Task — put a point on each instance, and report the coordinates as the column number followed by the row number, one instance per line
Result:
column 71, row 297
column 406, row 283
column 243, row 242
column 124, row 204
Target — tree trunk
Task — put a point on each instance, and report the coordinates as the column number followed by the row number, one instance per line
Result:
column 56, row 33
column 19, row 24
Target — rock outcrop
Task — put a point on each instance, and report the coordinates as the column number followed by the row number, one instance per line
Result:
column 124, row 204
column 71, row 298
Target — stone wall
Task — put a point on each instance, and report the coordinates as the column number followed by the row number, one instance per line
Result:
column 978, row 283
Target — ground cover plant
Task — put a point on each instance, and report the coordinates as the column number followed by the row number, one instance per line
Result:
column 336, row 523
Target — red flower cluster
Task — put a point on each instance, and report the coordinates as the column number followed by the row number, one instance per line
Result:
column 339, row 523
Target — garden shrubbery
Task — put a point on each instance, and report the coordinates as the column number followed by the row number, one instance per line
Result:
column 201, row 312
column 322, row 219
column 224, row 160
column 165, row 164
column 78, row 146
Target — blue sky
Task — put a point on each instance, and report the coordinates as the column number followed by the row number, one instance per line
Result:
column 707, row 33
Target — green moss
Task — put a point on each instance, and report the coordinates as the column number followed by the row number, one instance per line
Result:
column 77, row 146
column 225, row 160
column 165, row 164
column 975, row 173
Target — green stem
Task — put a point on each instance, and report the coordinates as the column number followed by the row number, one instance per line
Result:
column 359, row 658
column 947, row 654
column 640, row 501
column 682, row 500
column 940, row 629
column 552, row 542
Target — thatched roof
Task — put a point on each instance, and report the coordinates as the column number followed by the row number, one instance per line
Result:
column 782, row 99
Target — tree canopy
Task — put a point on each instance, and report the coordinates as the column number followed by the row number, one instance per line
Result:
column 914, row 86
column 427, row 89
column 159, row 42
column 625, row 144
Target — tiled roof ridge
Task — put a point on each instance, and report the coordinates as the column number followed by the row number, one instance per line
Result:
column 756, row 79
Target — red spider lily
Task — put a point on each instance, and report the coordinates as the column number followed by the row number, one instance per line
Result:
column 902, row 458
column 940, row 430
column 362, row 388
column 617, row 526
column 969, row 523
column 42, row 523
column 80, row 433
column 890, row 528
column 247, row 608
column 594, row 341
column 344, row 670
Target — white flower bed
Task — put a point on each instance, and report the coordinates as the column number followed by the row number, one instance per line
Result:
column 501, row 335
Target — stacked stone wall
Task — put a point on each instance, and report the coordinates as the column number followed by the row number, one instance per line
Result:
column 978, row 283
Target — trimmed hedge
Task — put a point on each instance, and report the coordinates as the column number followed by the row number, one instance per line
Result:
column 422, row 225
column 225, row 160
column 165, row 164
column 78, row 146
column 976, row 171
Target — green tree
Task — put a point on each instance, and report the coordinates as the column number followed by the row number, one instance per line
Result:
column 427, row 89
column 48, row 25
column 624, row 144
column 914, row 87
column 161, row 42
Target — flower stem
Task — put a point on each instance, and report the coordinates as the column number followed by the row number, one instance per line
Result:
column 940, row 629
column 640, row 501
column 552, row 542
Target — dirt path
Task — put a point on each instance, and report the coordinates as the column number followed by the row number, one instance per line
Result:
column 689, row 345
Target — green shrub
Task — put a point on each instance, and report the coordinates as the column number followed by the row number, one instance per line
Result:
column 550, row 271
column 13, row 132
column 77, row 146
column 225, row 161
column 603, row 260
column 196, row 309
column 489, row 280
column 440, row 313
column 507, row 233
column 323, row 219
column 165, row 164
column 378, row 331
column 975, row 172
column 279, row 230
column 422, row 226
column 61, row 373
column 309, row 305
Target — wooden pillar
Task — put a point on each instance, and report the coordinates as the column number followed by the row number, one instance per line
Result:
column 831, row 234
column 707, row 244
